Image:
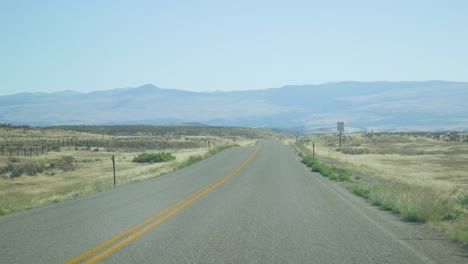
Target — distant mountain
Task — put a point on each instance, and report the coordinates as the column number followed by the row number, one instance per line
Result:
column 427, row 105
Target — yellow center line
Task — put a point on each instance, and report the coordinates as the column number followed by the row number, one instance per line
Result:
column 143, row 227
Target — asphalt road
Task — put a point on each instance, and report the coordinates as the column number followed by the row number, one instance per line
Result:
column 244, row 205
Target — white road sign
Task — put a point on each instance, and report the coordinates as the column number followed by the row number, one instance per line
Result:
column 340, row 126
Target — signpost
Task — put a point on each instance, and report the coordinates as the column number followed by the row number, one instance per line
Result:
column 340, row 128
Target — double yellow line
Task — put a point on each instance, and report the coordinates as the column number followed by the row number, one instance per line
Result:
column 104, row 249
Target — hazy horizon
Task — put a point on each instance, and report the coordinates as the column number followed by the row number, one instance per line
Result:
column 220, row 90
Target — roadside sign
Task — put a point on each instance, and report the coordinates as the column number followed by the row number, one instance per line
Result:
column 340, row 126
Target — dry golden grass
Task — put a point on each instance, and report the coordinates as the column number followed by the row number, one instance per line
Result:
column 423, row 178
column 93, row 173
column 409, row 159
column 93, row 166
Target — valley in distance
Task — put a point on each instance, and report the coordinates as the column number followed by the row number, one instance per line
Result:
column 404, row 150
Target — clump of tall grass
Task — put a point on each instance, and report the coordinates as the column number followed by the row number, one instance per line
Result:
column 197, row 158
column 217, row 149
column 15, row 201
column 334, row 173
column 191, row 160
column 360, row 191
column 414, row 203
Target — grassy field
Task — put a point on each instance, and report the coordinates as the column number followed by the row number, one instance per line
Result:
column 409, row 158
column 423, row 177
column 78, row 163
column 173, row 131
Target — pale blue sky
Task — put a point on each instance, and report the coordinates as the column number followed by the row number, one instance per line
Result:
column 227, row 45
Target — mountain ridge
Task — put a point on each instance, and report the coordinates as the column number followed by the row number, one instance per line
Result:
column 380, row 104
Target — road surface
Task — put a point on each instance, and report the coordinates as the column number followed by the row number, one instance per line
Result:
column 245, row 205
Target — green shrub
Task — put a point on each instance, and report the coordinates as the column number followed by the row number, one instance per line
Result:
column 463, row 199
column 14, row 159
column 32, row 169
column 16, row 170
column 8, row 168
column 153, row 157
column 65, row 163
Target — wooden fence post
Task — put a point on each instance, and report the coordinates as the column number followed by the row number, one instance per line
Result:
column 113, row 168
column 313, row 150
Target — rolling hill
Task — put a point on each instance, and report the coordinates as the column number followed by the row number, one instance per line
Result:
column 426, row 105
